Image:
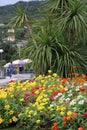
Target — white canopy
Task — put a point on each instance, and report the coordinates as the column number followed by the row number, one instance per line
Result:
column 27, row 61
column 6, row 65
column 16, row 62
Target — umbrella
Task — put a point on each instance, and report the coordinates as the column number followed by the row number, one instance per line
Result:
column 15, row 62
column 21, row 62
column 7, row 65
column 27, row 60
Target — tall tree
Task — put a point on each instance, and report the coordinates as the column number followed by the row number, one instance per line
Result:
column 22, row 19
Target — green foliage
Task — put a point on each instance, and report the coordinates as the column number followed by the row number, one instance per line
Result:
column 9, row 51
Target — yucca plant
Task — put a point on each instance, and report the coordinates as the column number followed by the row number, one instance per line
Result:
column 58, row 37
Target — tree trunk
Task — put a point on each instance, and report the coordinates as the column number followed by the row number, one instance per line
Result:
column 30, row 31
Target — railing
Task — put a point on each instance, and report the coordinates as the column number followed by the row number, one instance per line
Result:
column 2, row 73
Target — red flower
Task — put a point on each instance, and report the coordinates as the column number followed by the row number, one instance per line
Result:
column 85, row 114
column 80, row 128
column 12, row 81
column 82, row 89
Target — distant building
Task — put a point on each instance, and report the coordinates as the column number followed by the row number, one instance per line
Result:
column 11, row 38
column 24, row 42
column 11, row 30
column 2, row 24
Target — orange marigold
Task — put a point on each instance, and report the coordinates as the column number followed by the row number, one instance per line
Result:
column 55, row 126
column 68, row 118
column 64, row 118
column 74, row 67
column 74, row 114
column 83, row 76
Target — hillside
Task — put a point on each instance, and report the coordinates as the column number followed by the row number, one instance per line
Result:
column 7, row 12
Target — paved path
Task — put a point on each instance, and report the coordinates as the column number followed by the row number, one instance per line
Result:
column 16, row 77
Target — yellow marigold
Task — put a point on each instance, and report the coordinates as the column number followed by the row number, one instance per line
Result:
column 1, row 120
column 55, row 74
column 51, row 109
column 35, row 113
column 45, row 99
column 20, row 115
column 38, row 121
column 24, row 88
column 29, row 115
column 63, row 108
column 58, row 108
column 21, row 99
column 62, row 113
column 53, row 115
column 14, row 118
column 69, row 113
column 40, row 108
column 7, row 106
column 10, row 120
column 49, row 71
column 11, row 95
column 42, row 81
column 49, row 76
column 37, row 92
column 11, row 112
column 31, row 112
column 3, row 94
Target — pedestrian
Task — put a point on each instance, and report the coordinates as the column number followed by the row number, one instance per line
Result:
column 11, row 69
column 21, row 66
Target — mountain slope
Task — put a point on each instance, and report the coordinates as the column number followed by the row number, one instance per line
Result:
column 7, row 12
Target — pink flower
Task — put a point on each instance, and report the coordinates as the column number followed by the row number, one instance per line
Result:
column 86, row 101
column 55, row 93
column 51, row 98
column 27, row 95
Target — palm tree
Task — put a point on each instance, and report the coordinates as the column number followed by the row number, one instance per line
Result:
column 44, row 55
column 71, row 28
column 71, row 16
column 20, row 20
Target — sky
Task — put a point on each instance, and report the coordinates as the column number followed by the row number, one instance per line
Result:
column 7, row 2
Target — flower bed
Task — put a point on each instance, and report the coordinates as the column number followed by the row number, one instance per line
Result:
column 48, row 103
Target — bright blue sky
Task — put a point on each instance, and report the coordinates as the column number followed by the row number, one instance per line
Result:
column 7, row 2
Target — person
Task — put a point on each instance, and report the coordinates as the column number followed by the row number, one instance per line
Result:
column 21, row 66
column 11, row 69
